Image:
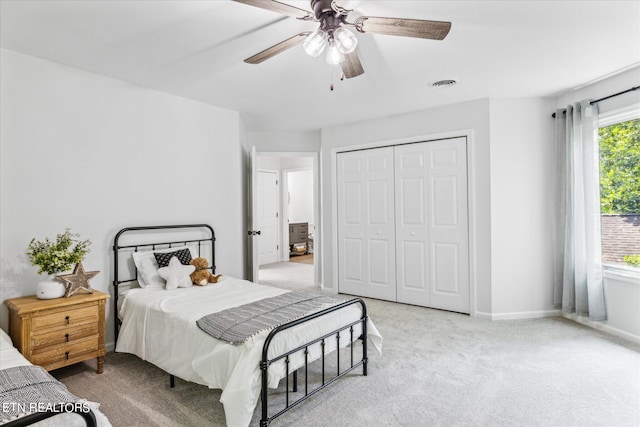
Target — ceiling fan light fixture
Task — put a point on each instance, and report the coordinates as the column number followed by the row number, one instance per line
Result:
column 334, row 56
column 315, row 43
column 345, row 40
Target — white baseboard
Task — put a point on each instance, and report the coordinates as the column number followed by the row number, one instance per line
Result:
column 603, row 327
column 519, row 315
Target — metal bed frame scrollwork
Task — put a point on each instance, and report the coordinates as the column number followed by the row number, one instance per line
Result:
column 265, row 360
column 88, row 417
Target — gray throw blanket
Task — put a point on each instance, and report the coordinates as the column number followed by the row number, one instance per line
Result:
column 26, row 389
column 236, row 325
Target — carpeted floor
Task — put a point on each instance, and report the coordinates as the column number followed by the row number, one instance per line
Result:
column 289, row 275
column 437, row 369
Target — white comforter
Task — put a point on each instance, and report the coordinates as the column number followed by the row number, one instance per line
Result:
column 160, row 326
column 10, row 357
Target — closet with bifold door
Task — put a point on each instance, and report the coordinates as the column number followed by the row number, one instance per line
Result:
column 403, row 232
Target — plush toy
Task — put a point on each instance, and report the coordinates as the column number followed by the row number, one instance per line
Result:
column 202, row 276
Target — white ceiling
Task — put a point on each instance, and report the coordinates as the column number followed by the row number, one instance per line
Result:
column 195, row 49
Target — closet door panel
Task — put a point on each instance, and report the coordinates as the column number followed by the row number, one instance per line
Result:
column 412, row 250
column 366, row 238
column 403, row 224
column 448, row 225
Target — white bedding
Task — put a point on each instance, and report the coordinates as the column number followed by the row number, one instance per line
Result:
column 160, row 326
column 10, row 357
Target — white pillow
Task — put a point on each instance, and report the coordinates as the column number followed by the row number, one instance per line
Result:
column 177, row 274
column 148, row 266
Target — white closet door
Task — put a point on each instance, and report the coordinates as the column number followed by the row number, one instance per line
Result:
column 432, row 241
column 366, row 247
column 412, row 224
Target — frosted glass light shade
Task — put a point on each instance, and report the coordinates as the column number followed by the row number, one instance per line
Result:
column 345, row 40
column 333, row 54
column 315, row 43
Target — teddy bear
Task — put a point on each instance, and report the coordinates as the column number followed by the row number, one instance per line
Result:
column 202, row 276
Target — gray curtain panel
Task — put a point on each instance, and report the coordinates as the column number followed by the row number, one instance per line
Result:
column 579, row 283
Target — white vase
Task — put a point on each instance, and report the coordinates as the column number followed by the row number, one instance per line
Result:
column 50, row 288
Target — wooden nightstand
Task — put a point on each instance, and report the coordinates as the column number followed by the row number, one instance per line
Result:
column 58, row 332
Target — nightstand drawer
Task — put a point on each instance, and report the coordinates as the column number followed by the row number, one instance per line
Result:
column 66, row 352
column 64, row 319
column 59, row 332
column 62, row 336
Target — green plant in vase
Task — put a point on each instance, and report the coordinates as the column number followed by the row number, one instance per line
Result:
column 53, row 257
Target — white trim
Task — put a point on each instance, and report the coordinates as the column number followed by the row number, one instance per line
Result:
column 619, row 115
column 483, row 315
column 622, row 273
column 471, row 199
column 539, row 314
column 602, row 327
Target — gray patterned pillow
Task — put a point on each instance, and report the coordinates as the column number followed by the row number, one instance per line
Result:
column 183, row 255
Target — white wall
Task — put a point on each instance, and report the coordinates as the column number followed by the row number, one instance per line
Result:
column 96, row 154
column 523, row 173
column 472, row 117
column 301, row 196
column 603, row 88
column 284, row 141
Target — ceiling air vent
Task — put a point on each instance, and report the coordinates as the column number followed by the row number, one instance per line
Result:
column 444, row 83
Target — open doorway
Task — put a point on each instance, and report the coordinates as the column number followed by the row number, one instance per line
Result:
column 291, row 262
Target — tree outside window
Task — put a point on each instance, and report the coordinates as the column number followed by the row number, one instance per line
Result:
column 620, row 192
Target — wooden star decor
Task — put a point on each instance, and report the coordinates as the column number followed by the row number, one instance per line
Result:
column 78, row 280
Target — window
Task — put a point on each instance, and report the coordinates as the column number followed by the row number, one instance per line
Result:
column 619, row 139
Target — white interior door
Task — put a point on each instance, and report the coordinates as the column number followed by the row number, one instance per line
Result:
column 432, row 241
column 253, row 216
column 268, row 213
column 366, row 247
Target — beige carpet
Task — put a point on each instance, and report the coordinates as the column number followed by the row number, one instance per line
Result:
column 437, row 369
column 305, row 259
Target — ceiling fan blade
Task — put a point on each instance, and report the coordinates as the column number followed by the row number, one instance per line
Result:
column 435, row 30
column 277, row 48
column 351, row 66
column 276, row 6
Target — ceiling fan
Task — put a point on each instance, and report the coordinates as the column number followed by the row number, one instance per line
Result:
column 334, row 36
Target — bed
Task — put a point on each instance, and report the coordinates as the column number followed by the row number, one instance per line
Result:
column 160, row 326
column 19, row 408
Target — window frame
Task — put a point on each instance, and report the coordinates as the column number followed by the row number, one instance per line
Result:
column 619, row 115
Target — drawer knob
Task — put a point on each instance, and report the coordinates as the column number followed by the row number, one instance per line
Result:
column 66, row 336
column 67, row 318
column 66, row 354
